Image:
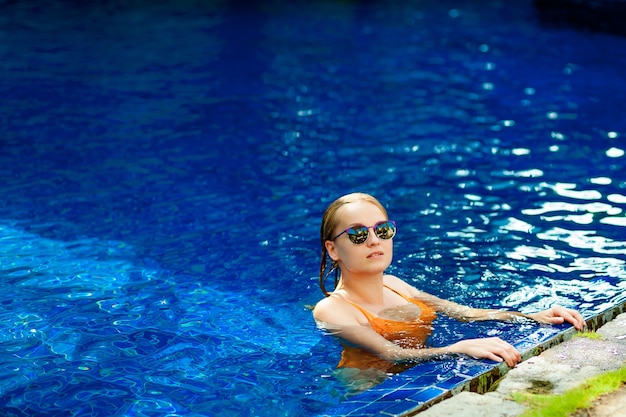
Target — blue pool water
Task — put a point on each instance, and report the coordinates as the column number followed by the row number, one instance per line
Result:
column 165, row 166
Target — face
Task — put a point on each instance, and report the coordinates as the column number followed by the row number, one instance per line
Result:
column 373, row 256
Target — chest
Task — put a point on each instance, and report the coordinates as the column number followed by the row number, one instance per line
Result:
column 405, row 313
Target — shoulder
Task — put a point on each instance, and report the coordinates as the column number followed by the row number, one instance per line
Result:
column 400, row 285
column 334, row 310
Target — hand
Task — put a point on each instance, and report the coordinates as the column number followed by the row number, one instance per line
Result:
column 559, row 315
column 492, row 348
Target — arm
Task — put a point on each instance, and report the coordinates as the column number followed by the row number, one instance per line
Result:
column 339, row 319
column 492, row 348
column 559, row 315
column 553, row 315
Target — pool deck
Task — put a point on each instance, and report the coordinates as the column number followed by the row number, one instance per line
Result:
column 551, row 358
column 554, row 371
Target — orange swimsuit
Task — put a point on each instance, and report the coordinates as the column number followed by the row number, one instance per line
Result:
column 407, row 334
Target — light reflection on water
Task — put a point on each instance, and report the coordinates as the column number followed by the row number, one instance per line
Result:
column 522, row 233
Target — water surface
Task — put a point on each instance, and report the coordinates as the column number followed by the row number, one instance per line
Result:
column 164, row 168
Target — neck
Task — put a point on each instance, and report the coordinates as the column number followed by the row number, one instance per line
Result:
column 363, row 288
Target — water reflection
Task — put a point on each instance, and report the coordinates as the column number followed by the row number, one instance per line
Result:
column 567, row 243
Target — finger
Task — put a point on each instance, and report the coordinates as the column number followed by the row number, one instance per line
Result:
column 580, row 321
column 514, row 353
column 509, row 354
column 510, row 360
column 494, row 357
column 575, row 318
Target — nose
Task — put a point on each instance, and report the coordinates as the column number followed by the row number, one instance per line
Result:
column 372, row 238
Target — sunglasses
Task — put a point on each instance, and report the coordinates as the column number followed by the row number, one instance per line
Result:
column 359, row 234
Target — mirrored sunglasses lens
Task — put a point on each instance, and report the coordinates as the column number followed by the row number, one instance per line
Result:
column 358, row 235
column 385, row 230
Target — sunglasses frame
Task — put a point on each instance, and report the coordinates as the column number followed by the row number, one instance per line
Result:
column 367, row 232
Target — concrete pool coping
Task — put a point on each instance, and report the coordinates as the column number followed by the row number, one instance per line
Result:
column 558, row 367
column 409, row 395
column 486, row 382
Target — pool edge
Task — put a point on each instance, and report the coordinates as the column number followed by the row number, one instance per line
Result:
column 486, row 381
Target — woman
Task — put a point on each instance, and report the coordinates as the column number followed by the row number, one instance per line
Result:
column 381, row 320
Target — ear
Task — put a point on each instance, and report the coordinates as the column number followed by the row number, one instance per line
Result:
column 330, row 248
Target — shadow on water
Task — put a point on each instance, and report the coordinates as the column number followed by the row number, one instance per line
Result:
column 605, row 16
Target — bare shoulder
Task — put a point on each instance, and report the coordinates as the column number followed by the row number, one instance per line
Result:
column 333, row 310
column 400, row 285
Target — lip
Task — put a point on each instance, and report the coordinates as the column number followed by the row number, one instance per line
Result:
column 377, row 254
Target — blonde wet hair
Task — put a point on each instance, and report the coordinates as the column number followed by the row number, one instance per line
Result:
column 327, row 230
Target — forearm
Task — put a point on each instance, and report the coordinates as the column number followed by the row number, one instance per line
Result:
column 466, row 313
column 396, row 353
column 364, row 337
column 491, row 348
column 501, row 315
